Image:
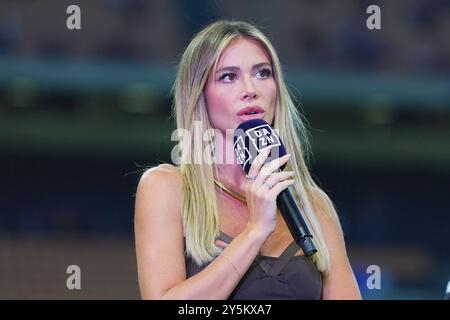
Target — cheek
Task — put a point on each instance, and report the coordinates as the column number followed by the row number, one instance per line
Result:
column 219, row 104
column 211, row 99
column 218, row 100
column 270, row 90
column 271, row 98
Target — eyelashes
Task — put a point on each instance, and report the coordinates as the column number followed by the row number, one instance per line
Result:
column 266, row 71
column 230, row 76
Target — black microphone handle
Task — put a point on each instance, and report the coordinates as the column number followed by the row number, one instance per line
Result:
column 294, row 220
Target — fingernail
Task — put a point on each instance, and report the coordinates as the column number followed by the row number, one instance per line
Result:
column 287, row 155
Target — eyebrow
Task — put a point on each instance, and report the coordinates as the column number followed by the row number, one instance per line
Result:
column 234, row 68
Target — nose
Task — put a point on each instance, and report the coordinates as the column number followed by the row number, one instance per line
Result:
column 249, row 92
column 249, row 95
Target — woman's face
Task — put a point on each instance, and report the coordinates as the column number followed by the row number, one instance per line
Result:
column 242, row 84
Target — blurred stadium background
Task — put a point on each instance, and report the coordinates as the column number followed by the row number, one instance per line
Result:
column 83, row 112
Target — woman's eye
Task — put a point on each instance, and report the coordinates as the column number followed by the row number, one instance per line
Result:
column 264, row 73
column 228, row 77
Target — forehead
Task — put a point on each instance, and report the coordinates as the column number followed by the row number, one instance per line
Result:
column 243, row 51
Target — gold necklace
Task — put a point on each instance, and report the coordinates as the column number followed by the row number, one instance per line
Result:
column 232, row 193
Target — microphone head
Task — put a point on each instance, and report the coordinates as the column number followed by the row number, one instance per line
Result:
column 250, row 137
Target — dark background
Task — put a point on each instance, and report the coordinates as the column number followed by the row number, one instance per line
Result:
column 83, row 112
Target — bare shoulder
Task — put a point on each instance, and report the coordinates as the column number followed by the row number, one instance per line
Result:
column 162, row 178
column 158, row 230
column 162, row 173
column 159, row 191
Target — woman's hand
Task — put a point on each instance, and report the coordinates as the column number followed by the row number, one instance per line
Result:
column 264, row 184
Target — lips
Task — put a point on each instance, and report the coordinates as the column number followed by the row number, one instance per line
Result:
column 251, row 112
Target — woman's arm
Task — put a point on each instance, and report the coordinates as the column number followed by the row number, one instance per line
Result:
column 160, row 245
column 340, row 282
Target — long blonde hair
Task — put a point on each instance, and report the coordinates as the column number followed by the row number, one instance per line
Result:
column 200, row 211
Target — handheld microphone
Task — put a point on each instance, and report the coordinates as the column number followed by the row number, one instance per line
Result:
column 250, row 137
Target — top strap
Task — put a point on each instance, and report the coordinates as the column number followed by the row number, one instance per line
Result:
column 279, row 263
column 224, row 237
column 284, row 259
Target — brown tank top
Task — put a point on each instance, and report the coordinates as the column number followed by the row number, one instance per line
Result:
column 272, row 278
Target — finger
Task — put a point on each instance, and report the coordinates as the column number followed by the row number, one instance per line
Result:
column 270, row 168
column 279, row 176
column 259, row 161
column 274, row 165
column 276, row 189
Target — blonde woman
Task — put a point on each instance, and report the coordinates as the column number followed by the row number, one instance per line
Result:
column 205, row 230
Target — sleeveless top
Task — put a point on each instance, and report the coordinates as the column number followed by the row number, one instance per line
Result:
column 270, row 278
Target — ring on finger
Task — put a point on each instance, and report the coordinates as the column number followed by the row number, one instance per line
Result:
column 250, row 178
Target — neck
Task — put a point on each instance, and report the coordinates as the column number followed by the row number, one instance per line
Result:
column 232, row 176
column 230, row 172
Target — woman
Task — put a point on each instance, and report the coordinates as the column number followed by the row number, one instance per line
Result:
column 205, row 230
